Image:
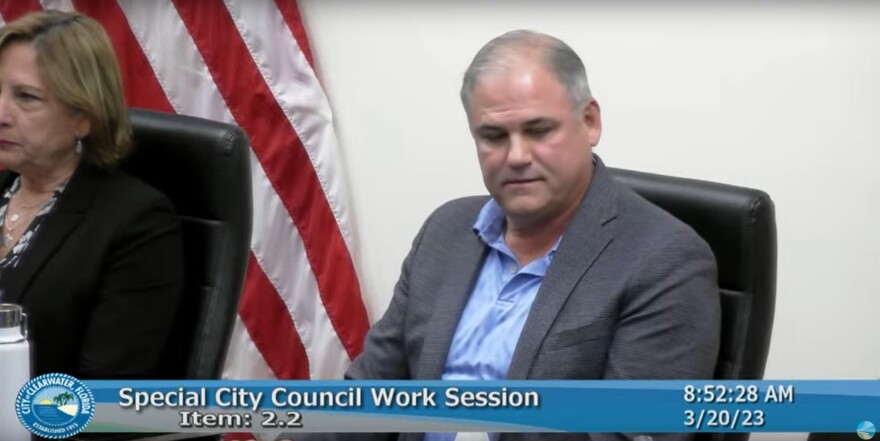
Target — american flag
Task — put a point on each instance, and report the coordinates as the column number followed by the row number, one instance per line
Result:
column 248, row 62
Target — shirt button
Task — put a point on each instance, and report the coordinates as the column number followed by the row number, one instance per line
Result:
column 512, row 269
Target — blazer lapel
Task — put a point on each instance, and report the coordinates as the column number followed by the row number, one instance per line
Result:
column 583, row 242
column 55, row 229
column 468, row 258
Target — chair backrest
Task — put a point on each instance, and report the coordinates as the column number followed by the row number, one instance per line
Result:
column 203, row 167
column 739, row 225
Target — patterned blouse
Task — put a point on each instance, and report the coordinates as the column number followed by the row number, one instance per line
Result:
column 13, row 257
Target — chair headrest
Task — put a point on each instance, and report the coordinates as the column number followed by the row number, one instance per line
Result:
column 199, row 164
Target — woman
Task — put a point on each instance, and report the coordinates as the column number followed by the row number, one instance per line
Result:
column 93, row 255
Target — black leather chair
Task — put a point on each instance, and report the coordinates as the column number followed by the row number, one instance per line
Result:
column 739, row 225
column 203, row 167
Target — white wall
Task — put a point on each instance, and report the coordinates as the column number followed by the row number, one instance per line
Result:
column 781, row 97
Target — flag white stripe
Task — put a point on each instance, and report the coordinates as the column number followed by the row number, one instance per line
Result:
column 61, row 5
column 287, row 268
column 247, row 357
column 299, row 93
column 177, row 63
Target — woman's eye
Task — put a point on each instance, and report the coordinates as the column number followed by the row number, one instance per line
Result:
column 26, row 97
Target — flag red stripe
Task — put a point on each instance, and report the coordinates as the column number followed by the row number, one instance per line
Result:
column 12, row 9
column 280, row 344
column 290, row 12
column 142, row 89
column 284, row 159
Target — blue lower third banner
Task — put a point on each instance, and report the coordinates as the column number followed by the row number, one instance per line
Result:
column 59, row 404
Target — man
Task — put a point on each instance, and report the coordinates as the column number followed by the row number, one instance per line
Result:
column 561, row 274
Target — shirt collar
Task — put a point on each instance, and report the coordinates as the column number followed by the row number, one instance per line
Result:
column 490, row 224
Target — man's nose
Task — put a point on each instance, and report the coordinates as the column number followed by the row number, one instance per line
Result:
column 520, row 153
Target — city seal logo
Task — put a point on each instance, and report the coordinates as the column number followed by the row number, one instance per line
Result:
column 55, row 406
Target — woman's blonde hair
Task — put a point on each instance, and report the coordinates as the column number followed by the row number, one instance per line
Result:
column 77, row 63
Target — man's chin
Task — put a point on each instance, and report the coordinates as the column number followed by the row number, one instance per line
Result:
column 522, row 210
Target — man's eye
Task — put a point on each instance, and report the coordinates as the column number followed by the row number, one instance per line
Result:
column 539, row 132
column 494, row 136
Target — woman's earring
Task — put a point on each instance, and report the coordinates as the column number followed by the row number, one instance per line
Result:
column 79, row 146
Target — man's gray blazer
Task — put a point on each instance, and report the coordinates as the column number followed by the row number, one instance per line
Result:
column 631, row 294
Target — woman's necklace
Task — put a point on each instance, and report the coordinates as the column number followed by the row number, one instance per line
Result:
column 13, row 219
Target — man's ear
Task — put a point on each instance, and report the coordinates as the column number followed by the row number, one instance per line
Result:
column 593, row 120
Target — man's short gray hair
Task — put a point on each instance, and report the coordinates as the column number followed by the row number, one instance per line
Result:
column 558, row 58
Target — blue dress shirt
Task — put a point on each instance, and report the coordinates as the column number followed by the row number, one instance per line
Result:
column 493, row 318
